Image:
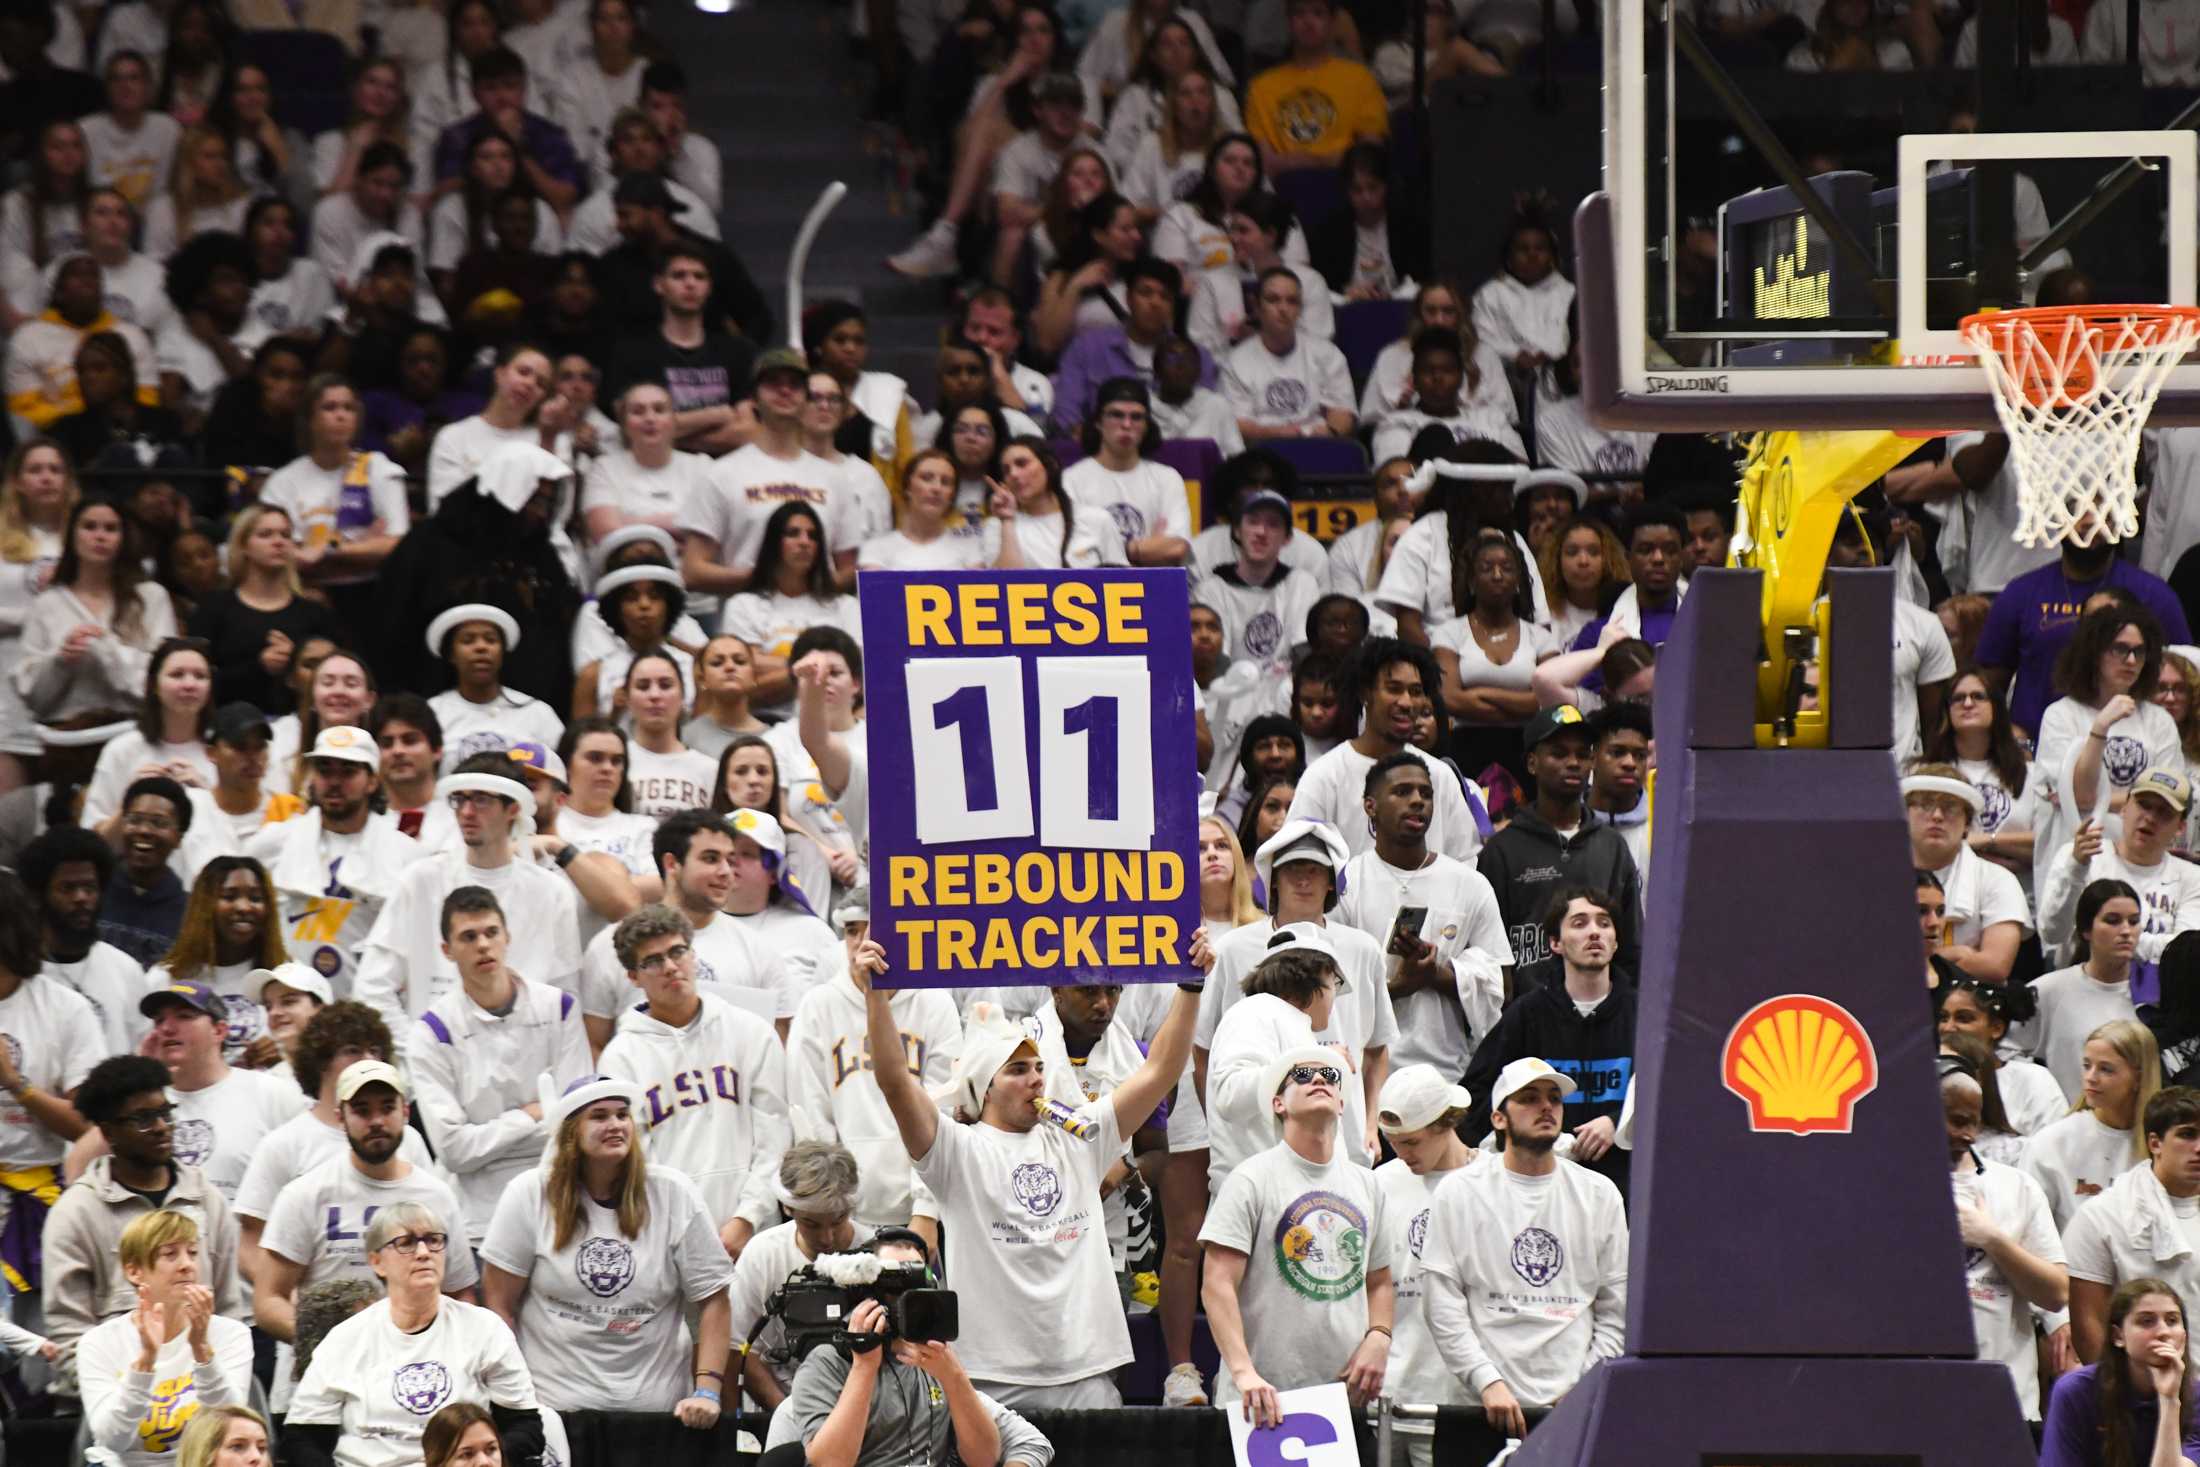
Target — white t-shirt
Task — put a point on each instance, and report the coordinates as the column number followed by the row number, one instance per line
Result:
column 1417, row 577
column 1147, row 500
column 1417, row 1372
column 1466, row 424
column 1524, row 1278
column 1223, row 299
column 220, row 1128
column 726, row 958
column 1978, row 547
column 319, row 1221
column 1023, row 1213
column 150, row 1410
column 2074, row 1160
column 1922, row 655
column 138, row 164
column 842, row 820
column 961, row 548
column 337, row 506
column 2072, row 1005
column 1332, row 789
column 461, row 448
column 1516, row 673
column 1297, row 387
column 1566, row 439
column 664, row 784
column 1261, row 624
column 340, row 226
column 1978, row 895
column 1026, row 166
column 802, row 942
column 53, row 1039
column 111, row 981
column 120, row 761
column 604, row 1318
column 2169, row 897
column 1312, row 1234
column 381, row 1385
column 447, row 243
column 770, row 621
column 2137, row 1230
column 1436, row 1026
column 2002, row 1319
column 1512, row 317
column 1093, row 541
column 617, row 480
column 745, row 487
column 294, row 301
column 471, row 728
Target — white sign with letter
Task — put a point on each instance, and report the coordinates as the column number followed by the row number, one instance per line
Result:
column 1316, row 1431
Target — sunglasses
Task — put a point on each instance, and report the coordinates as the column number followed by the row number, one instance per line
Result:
column 1328, row 1075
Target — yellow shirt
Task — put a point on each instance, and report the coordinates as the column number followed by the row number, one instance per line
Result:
column 1317, row 110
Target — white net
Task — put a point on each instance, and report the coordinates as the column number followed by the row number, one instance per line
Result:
column 2073, row 388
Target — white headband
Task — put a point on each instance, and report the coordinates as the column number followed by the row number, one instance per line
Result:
column 496, row 784
column 635, row 574
column 1940, row 784
column 457, row 616
column 1435, row 468
column 814, row 1202
column 557, row 1104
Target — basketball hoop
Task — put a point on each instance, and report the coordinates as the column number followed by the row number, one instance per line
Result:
column 2073, row 386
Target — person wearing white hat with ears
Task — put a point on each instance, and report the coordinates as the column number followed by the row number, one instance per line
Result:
column 817, row 1187
column 335, row 865
column 829, row 1068
column 1437, row 919
column 316, row 1229
column 1019, row 1196
column 693, row 850
column 1524, row 1268
column 713, row 1076
column 1299, row 868
column 598, row 1260
column 775, row 912
column 1986, row 915
column 292, row 994
column 2168, row 889
column 635, row 545
column 472, row 1050
column 644, row 606
column 480, row 712
column 402, row 967
column 1300, row 1245
column 1420, row 1115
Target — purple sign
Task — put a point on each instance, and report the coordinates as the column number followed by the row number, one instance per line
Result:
column 1034, row 787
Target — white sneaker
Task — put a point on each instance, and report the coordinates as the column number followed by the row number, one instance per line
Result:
column 1184, row 1387
column 933, row 253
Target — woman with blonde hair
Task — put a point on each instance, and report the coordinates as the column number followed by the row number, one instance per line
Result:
column 2077, row 1157
column 1441, row 304
column 37, row 492
column 596, row 1259
column 2177, row 693
column 381, row 112
column 204, row 193
column 1584, row 568
column 254, row 626
column 146, row 1373
column 225, row 1436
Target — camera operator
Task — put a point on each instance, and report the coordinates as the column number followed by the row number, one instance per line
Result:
column 896, row 1404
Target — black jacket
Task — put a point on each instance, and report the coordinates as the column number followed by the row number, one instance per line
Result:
column 1597, row 1051
column 1528, row 861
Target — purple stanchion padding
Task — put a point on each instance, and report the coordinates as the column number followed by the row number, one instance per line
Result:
column 1322, row 455
column 1794, row 1262
column 1364, row 328
column 1063, row 853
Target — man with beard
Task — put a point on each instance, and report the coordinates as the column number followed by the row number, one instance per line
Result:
column 66, row 869
column 317, row 1229
column 222, row 1113
column 488, row 541
column 145, row 899
column 126, row 1098
column 1583, row 1026
column 335, row 865
column 477, row 1053
column 1524, row 1269
column 2036, row 614
column 694, row 853
column 402, row 965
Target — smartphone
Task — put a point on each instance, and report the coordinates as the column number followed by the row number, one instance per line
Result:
column 1407, row 927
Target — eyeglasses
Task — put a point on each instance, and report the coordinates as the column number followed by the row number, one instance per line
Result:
column 828, row 399
column 655, row 962
column 150, row 1120
column 148, row 822
column 1958, row 700
column 407, row 1244
column 469, row 799
column 1311, row 1074
column 2127, row 651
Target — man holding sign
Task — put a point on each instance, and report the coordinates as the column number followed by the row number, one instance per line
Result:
column 1019, row 1193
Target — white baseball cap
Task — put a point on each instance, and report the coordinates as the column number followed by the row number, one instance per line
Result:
column 1300, row 840
column 291, row 975
column 1305, row 937
column 342, row 741
column 1522, row 1073
column 362, row 1073
column 1415, row 1096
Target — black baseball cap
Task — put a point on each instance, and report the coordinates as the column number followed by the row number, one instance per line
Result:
column 1552, row 721
column 235, row 723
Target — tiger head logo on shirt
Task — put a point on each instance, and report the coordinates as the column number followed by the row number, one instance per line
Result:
column 1306, row 116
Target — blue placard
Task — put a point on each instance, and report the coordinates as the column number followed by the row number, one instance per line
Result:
column 1034, row 788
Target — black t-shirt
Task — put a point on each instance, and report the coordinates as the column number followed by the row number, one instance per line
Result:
column 237, row 633
column 714, row 374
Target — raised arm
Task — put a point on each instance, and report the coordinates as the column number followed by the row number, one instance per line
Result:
column 915, row 1116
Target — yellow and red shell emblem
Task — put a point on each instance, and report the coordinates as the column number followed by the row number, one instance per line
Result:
column 1801, row 1062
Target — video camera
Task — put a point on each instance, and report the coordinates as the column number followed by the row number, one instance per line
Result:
column 815, row 1303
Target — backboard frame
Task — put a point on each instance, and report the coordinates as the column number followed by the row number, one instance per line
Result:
column 1623, row 388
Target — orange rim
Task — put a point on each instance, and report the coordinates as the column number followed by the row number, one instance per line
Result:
column 2147, row 325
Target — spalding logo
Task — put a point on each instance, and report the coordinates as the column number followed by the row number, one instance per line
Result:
column 1801, row 1063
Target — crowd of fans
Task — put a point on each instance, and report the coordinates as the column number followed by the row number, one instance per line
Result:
column 437, row 1005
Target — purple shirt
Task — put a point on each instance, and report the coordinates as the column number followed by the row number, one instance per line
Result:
column 1657, row 625
column 2073, row 1432
column 2036, row 614
column 539, row 138
column 1092, row 357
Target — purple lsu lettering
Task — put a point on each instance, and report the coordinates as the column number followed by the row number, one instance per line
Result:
column 847, row 1061
column 692, row 1088
column 338, row 1233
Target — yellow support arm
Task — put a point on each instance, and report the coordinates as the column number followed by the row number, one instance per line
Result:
column 1795, row 488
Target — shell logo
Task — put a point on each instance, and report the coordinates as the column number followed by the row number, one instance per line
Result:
column 1801, row 1062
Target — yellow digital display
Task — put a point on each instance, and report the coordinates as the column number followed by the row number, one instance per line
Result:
column 1791, row 281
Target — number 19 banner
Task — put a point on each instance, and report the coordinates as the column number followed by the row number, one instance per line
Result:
column 1034, row 810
